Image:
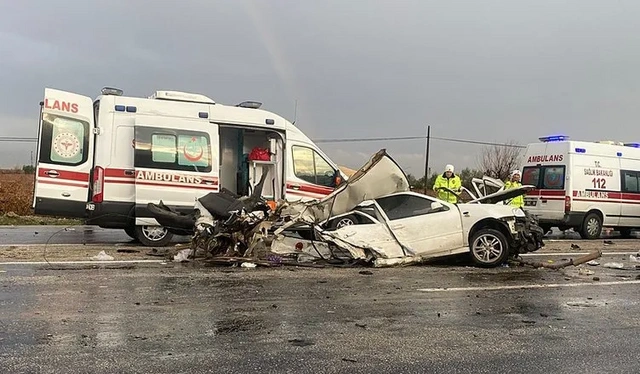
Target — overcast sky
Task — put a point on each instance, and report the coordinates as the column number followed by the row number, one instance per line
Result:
column 482, row 70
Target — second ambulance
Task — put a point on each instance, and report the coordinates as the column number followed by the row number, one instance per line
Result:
column 583, row 185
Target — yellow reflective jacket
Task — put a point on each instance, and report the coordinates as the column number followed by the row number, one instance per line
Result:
column 454, row 184
column 517, row 202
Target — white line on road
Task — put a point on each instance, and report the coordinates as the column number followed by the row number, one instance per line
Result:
column 81, row 262
column 576, row 253
column 527, row 286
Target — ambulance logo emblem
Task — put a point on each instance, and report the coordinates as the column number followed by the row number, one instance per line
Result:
column 66, row 145
column 193, row 150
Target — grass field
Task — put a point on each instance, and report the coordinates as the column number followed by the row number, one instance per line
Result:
column 16, row 196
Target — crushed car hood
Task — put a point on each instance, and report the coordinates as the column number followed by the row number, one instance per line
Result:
column 503, row 195
column 380, row 176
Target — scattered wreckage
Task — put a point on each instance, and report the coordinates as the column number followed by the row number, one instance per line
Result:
column 372, row 218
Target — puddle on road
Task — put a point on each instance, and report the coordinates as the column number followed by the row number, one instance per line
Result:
column 507, row 275
column 238, row 324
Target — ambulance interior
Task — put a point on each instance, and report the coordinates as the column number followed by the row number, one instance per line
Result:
column 245, row 154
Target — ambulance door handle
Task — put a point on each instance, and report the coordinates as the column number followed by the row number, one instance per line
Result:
column 52, row 173
column 543, row 201
column 129, row 172
column 295, row 186
column 66, row 194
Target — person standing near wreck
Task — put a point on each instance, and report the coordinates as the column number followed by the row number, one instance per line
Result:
column 514, row 182
column 448, row 180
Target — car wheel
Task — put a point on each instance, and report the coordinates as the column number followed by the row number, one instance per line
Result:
column 153, row 236
column 489, row 248
column 131, row 231
column 344, row 221
column 591, row 227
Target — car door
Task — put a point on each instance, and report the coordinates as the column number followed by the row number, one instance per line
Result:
column 419, row 227
column 309, row 174
column 65, row 154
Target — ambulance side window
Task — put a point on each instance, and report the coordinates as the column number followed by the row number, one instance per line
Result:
column 183, row 150
column 163, row 148
column 64, row 140
column 630, row 181
column 553, row 178
column 531, row 176
column 309, row 166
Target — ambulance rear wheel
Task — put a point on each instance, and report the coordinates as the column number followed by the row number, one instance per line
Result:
column 591, row 227
column 131, row 231
column 153, row 236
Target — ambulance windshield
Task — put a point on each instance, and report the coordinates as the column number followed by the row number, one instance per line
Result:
column 544, row 177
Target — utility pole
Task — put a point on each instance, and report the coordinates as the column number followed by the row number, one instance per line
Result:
column 426, row 159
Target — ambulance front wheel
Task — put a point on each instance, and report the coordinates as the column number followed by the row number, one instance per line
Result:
column 153, row 236
column 591, row 227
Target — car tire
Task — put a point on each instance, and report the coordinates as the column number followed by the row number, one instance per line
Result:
column 341, row 222
column 591, row 227
column 489, row 248
column 131, row 232
column 153, row 236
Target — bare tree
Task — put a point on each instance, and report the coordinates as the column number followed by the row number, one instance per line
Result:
column 497, row 161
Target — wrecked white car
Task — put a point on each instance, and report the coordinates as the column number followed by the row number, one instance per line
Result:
column 375, row 217
column 409, row 227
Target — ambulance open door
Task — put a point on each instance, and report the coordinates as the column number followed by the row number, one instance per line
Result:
column 64, row 154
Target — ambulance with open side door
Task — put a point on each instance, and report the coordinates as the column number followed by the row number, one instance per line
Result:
column 105, row 160
column 583, row 185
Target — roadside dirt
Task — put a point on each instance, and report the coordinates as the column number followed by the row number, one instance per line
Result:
column 64, row 252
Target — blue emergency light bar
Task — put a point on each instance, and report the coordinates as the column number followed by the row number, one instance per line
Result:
column 553, row 138
column 634, row 145
column 581, row 150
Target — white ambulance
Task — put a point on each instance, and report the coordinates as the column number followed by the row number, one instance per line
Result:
column 105, row 160
column 583, row 185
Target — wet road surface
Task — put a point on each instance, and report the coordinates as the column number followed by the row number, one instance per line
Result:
column 17, row 235
column 28, row 235
column 187, row 318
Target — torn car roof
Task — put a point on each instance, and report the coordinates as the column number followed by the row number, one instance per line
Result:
column 380, row 176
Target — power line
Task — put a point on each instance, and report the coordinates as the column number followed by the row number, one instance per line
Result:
column 345, row 140
column 389, row 138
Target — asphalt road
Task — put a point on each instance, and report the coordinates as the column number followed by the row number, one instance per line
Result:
column 20, row 235
column 173, row 318
column 27, row 235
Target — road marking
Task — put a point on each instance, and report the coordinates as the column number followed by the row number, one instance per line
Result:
column 81, row 262
column 576, row 253
column 527, row 286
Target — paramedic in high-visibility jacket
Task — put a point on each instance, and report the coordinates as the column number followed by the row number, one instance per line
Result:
column 514, row 182
column 451, row 181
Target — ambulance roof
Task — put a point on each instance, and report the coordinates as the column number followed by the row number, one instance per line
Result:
column 602, row 148
column 185, row 104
